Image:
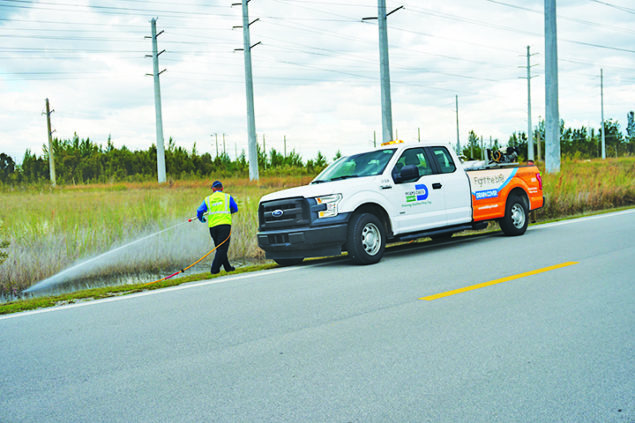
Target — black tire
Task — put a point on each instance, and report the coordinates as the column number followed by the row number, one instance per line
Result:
column 516, row 216
column 288, row 261
column 366, row 239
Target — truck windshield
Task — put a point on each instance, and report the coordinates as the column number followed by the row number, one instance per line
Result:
column 364, row 164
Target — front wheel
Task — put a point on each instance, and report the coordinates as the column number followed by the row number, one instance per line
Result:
column 516, row 217
column 366, row 239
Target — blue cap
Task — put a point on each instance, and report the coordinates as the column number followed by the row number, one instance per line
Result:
column 217, row 184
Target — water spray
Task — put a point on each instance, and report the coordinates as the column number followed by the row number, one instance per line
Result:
column 58, row 277
column 191, row 265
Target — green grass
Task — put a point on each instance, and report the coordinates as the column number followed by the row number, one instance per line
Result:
column 113, row 291
column 588, row 185
column 50, row 229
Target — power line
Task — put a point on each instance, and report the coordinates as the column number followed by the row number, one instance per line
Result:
column 622, row 8
column 457, row 18
column 103, row 9
column 610, row 27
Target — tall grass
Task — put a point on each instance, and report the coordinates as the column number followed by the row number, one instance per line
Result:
column 50, row 229
column 587, row 185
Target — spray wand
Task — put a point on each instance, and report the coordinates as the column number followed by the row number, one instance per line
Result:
column 193, row 264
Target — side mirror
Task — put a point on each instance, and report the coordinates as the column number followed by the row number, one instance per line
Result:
column 408, row 173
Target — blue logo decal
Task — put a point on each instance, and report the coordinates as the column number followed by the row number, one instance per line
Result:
column 421, row 192
column 488, row 193
column 277, row 213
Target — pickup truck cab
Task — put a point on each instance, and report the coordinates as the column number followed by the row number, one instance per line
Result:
column 397, row 192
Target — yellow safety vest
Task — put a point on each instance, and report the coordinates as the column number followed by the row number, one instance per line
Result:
column 218, row 212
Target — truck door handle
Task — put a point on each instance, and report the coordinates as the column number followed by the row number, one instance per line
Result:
column 436, row 185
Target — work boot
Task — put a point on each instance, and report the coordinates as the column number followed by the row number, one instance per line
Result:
column 231, row 269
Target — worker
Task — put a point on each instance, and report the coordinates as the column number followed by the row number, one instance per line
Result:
column 219, row 207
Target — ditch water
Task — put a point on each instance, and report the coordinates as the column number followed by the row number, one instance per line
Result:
column 79, row 269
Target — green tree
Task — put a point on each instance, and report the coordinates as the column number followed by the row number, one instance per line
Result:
column 473, row 147
column 613, row 138
column 7, row 167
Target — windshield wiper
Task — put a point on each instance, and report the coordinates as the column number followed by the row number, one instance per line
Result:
column 337, row 178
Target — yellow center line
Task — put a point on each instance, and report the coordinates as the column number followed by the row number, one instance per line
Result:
column 496, row 281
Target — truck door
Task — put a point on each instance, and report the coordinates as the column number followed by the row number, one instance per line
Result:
column 416, row 205
column 453, row 181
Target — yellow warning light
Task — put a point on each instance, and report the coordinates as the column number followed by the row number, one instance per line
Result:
column 392, row 142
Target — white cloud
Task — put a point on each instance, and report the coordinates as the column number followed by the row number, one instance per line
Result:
column 316, row 73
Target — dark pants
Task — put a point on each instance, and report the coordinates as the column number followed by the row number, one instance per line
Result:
column 219, row 234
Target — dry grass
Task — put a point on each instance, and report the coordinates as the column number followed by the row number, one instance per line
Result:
column 584, row 186
column 50, row 229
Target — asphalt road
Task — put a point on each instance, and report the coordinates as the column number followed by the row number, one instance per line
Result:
column 335, row 342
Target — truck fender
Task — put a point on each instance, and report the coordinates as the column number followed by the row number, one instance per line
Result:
column 369, row 202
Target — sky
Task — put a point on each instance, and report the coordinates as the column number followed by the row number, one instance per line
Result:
column 315, row 71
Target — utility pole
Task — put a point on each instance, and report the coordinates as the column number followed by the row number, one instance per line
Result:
column 552, row 121
column 264, row 151
column 224, row 150
column 458, row 142
column 530, row 135
column 285, row 146
column 157, row 99
column 384, row 69
column 602, row 108
column 419, row 134
column 216, row 135
column 374, row 139
column 249, row 85
column 50, row 139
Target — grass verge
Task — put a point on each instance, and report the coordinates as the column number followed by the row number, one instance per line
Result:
column 113, row 291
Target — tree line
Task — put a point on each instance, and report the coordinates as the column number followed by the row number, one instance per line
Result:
column 80, row 161
column 575, row 143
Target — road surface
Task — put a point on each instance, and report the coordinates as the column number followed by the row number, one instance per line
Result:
column 544, row 333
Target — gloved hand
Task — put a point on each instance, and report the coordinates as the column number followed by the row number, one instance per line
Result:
column 203, row 219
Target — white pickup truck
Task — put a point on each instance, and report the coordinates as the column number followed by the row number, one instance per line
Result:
column 394, row 193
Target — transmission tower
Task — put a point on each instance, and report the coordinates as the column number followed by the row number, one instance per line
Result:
column 157, row 99
column 552, row 114
column 50, row 140
column 384, row 69
column 249, row 84
column 530, row 132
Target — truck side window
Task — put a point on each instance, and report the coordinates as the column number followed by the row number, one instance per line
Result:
column 413, row 156
column 444, row 159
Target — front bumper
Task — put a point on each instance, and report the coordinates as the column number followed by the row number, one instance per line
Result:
column 303, row 242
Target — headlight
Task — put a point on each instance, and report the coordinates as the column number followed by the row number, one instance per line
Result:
column 331, row 202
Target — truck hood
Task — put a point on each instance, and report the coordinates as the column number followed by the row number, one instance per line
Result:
column 317, row 190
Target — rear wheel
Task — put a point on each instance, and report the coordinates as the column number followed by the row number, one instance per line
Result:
column 289, row 261
column 516, row 217
column 366, row 239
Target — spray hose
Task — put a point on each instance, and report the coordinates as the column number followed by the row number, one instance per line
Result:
column 193, row 264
